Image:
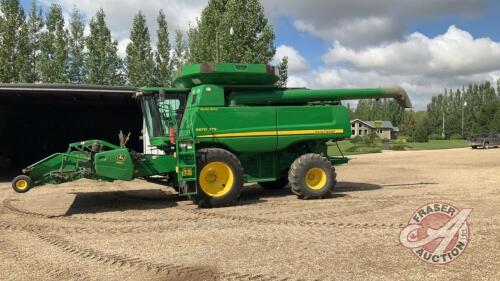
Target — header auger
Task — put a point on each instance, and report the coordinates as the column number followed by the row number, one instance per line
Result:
column 223, row 125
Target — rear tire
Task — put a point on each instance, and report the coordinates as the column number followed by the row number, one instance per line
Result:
column 220, row 178
column 22, row 184
column 312, row 176
column 274, row 185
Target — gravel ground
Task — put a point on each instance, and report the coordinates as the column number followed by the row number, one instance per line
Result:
column 137, row 231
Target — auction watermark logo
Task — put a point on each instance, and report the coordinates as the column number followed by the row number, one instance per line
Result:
column 437, row 233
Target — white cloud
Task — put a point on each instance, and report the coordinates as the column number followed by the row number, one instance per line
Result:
column 359, row 23
column 354, row 23
column 122, row 47
column 453, row 53
column 296, row 81
column 296, row 62
column 370, row 48
column 119, row 13
column 420, row 88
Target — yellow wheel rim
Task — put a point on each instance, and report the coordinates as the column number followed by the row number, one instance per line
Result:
column 316, row 178
column 216, row 179
column 21, row 184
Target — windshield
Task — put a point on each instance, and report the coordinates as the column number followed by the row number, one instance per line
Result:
column 152, row 116
column 162, row 113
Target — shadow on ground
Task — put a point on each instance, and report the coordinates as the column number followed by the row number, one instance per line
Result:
column 151, row 199
column 112, row 201
column 344, row 186
column 256, row 194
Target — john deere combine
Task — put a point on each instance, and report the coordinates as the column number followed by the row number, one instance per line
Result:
column 223, row 125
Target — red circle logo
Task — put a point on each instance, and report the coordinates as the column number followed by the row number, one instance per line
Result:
column 437, row 233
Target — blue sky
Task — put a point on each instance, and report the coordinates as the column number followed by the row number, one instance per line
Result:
column 484, row 25
column 423, row 46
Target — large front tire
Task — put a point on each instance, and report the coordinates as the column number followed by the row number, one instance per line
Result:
column 220, row 178
column 312, row 176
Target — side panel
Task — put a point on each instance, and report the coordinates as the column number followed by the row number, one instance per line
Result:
column 153, row 165
column 259, row 166
column 300, row 123
column 241, row 129
column 114, row 164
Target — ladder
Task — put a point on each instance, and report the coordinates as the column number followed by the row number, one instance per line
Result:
column 186, row 164
column 185, row 151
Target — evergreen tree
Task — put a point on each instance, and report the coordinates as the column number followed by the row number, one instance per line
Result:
column 76, row 40
column 139, row 60
column 11, row 31
column 163, row 71
column 244, row 33
column 180, row 51
column 103, row 65
column 53, row 48
column 23, row 63
column 283, row 72
column 34, row 24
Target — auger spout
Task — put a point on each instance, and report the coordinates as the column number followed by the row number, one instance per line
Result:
column 297, row 96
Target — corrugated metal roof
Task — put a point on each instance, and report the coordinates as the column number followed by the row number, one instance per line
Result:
column 66, row 88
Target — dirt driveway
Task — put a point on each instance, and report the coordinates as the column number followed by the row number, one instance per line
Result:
column 136, row 231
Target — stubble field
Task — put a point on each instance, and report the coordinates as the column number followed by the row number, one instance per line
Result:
column 137, row 231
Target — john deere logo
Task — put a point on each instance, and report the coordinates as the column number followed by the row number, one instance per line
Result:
column 121, row 158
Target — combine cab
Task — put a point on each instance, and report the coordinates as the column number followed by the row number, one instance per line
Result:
column 223, row 125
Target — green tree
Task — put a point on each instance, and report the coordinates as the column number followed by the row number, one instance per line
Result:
column 202, row 38
column 53, row 48
column 76, row 40
column 409, row 124
column 11, row 29
column 163, row 63
column 385, row 109
column 34, row 24
column 283, row 72
column 180, row 51
column 422, row 131
column 479, row 113
column 23, row 63
column 244, row 33
column 103, row 65
column 139, row 59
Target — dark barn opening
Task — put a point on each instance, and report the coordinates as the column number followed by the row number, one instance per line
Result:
column 38, row 120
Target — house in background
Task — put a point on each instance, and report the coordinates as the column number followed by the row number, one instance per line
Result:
column 384, row 129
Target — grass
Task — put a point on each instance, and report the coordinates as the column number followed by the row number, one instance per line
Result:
column 348, row 148
column 438, row 144
column 352, row 149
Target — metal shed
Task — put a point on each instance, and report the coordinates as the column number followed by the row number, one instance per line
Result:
column 39, row 119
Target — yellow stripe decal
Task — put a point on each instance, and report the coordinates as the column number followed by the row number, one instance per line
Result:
column 311, row 132
column 277, row 133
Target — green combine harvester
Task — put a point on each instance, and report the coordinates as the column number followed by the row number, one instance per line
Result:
column 222, row 126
